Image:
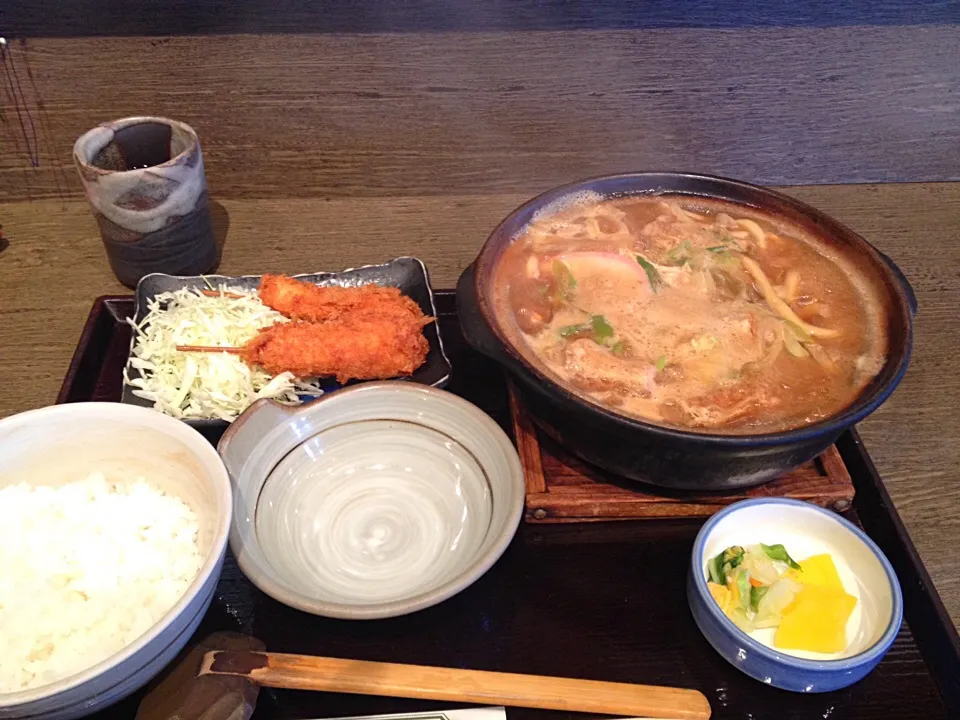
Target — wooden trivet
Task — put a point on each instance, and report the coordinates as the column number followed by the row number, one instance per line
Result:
column 564, row 489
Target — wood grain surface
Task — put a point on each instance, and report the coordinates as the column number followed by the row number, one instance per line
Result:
column 561, row 488
column 458, row 112
column 55, row 267
column 73, row 18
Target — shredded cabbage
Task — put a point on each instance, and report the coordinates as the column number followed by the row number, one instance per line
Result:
column 205, row 384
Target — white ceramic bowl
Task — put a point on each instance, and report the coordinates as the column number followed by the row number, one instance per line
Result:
column 64, row 443
column 374, row 501
column 805, row 530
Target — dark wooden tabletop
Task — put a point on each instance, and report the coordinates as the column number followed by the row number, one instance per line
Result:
column 335, row 137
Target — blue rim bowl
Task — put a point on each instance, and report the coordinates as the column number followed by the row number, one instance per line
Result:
column 766, row 664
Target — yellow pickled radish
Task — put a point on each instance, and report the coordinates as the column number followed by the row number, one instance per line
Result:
column 816, row 620
column 721, row 594
column 817, row 570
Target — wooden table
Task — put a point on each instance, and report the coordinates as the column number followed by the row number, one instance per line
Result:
column 357, row 132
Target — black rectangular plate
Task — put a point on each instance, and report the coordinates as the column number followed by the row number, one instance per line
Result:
column 406, row 273
column 605, row 601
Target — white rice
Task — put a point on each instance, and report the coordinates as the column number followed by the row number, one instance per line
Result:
column 85, row 569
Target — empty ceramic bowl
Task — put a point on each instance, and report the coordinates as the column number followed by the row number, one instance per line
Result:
column 805, row 530
column 374, row 501
column 65, row 443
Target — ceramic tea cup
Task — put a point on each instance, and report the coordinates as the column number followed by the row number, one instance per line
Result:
column 145, row 182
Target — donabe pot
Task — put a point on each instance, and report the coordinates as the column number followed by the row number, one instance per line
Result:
column 660, row 455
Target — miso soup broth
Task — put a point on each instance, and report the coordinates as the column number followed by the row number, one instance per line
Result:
column 691, row 313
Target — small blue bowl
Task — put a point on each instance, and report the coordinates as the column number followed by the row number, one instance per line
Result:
column 805, row 530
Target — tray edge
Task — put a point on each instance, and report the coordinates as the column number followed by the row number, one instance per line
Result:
column 933, row 629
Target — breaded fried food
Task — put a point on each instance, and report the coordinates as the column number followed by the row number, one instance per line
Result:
column 353, row 348
column 300, row 300
column 354, row 333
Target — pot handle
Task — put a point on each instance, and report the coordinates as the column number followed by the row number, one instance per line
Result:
column 472, row 323
column 904, row 283
column 246, row 431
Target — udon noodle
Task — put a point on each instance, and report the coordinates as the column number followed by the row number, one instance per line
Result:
column 690, row 313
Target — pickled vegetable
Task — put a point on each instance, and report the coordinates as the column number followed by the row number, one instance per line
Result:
column 816, row 620
column 762, row 586
column 818, row 570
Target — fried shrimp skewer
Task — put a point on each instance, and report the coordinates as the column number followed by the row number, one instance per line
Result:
column 349, row 349
column 353, row 333
column 313, row 303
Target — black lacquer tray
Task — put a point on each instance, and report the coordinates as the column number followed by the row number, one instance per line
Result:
column 602, row 601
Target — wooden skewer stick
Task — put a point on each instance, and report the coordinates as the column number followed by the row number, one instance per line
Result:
column 209, row 348
column 220, row 293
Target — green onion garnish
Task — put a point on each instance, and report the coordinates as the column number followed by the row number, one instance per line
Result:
column 779, row 552
column 569, row 330
column 564, row 276
column 731, row 240
column 598, row 328
column 601, row 328
column 653, row 275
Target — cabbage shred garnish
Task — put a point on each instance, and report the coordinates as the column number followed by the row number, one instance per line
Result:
column 206, row 384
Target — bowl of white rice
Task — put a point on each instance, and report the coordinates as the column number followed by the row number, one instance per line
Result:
column 113, row 527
